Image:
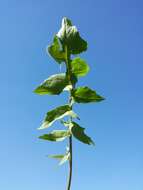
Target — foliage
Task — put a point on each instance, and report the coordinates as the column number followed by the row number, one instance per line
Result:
column 65, row 43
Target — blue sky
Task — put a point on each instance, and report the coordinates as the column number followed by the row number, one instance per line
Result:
column 114, row 31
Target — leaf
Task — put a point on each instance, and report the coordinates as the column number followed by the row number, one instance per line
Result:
column 56, row 135
column 55, row 50
column 70, row 36
column 63, row 158
column 85, row 95
column 54, row 85
column 56, row 114
column 58, row 156
column 78, row 133
column 79, row 67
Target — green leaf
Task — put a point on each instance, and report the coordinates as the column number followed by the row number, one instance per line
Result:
column 70, row 36
column 55, row 50
column 58, row 156
column 62, row 157
column 56, row 114
column 78, row 133
column 85, row 95
column 54, row 85
column 79, row 67
column 56, row 135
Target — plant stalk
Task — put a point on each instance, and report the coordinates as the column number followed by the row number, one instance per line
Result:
column 70, row 164
column 70, row 138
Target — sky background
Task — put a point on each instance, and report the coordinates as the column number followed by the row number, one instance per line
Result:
column 114, row 31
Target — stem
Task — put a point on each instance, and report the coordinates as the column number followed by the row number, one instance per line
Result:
column 70, row 164
column 70, row 138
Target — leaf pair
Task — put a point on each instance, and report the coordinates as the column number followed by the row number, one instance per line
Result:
column 69, row 36
column 73, row 129
column 55, row 84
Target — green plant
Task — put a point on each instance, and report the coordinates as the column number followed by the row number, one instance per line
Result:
column 67, row 42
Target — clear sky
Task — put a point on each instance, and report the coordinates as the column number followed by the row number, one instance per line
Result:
column 114, row 31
